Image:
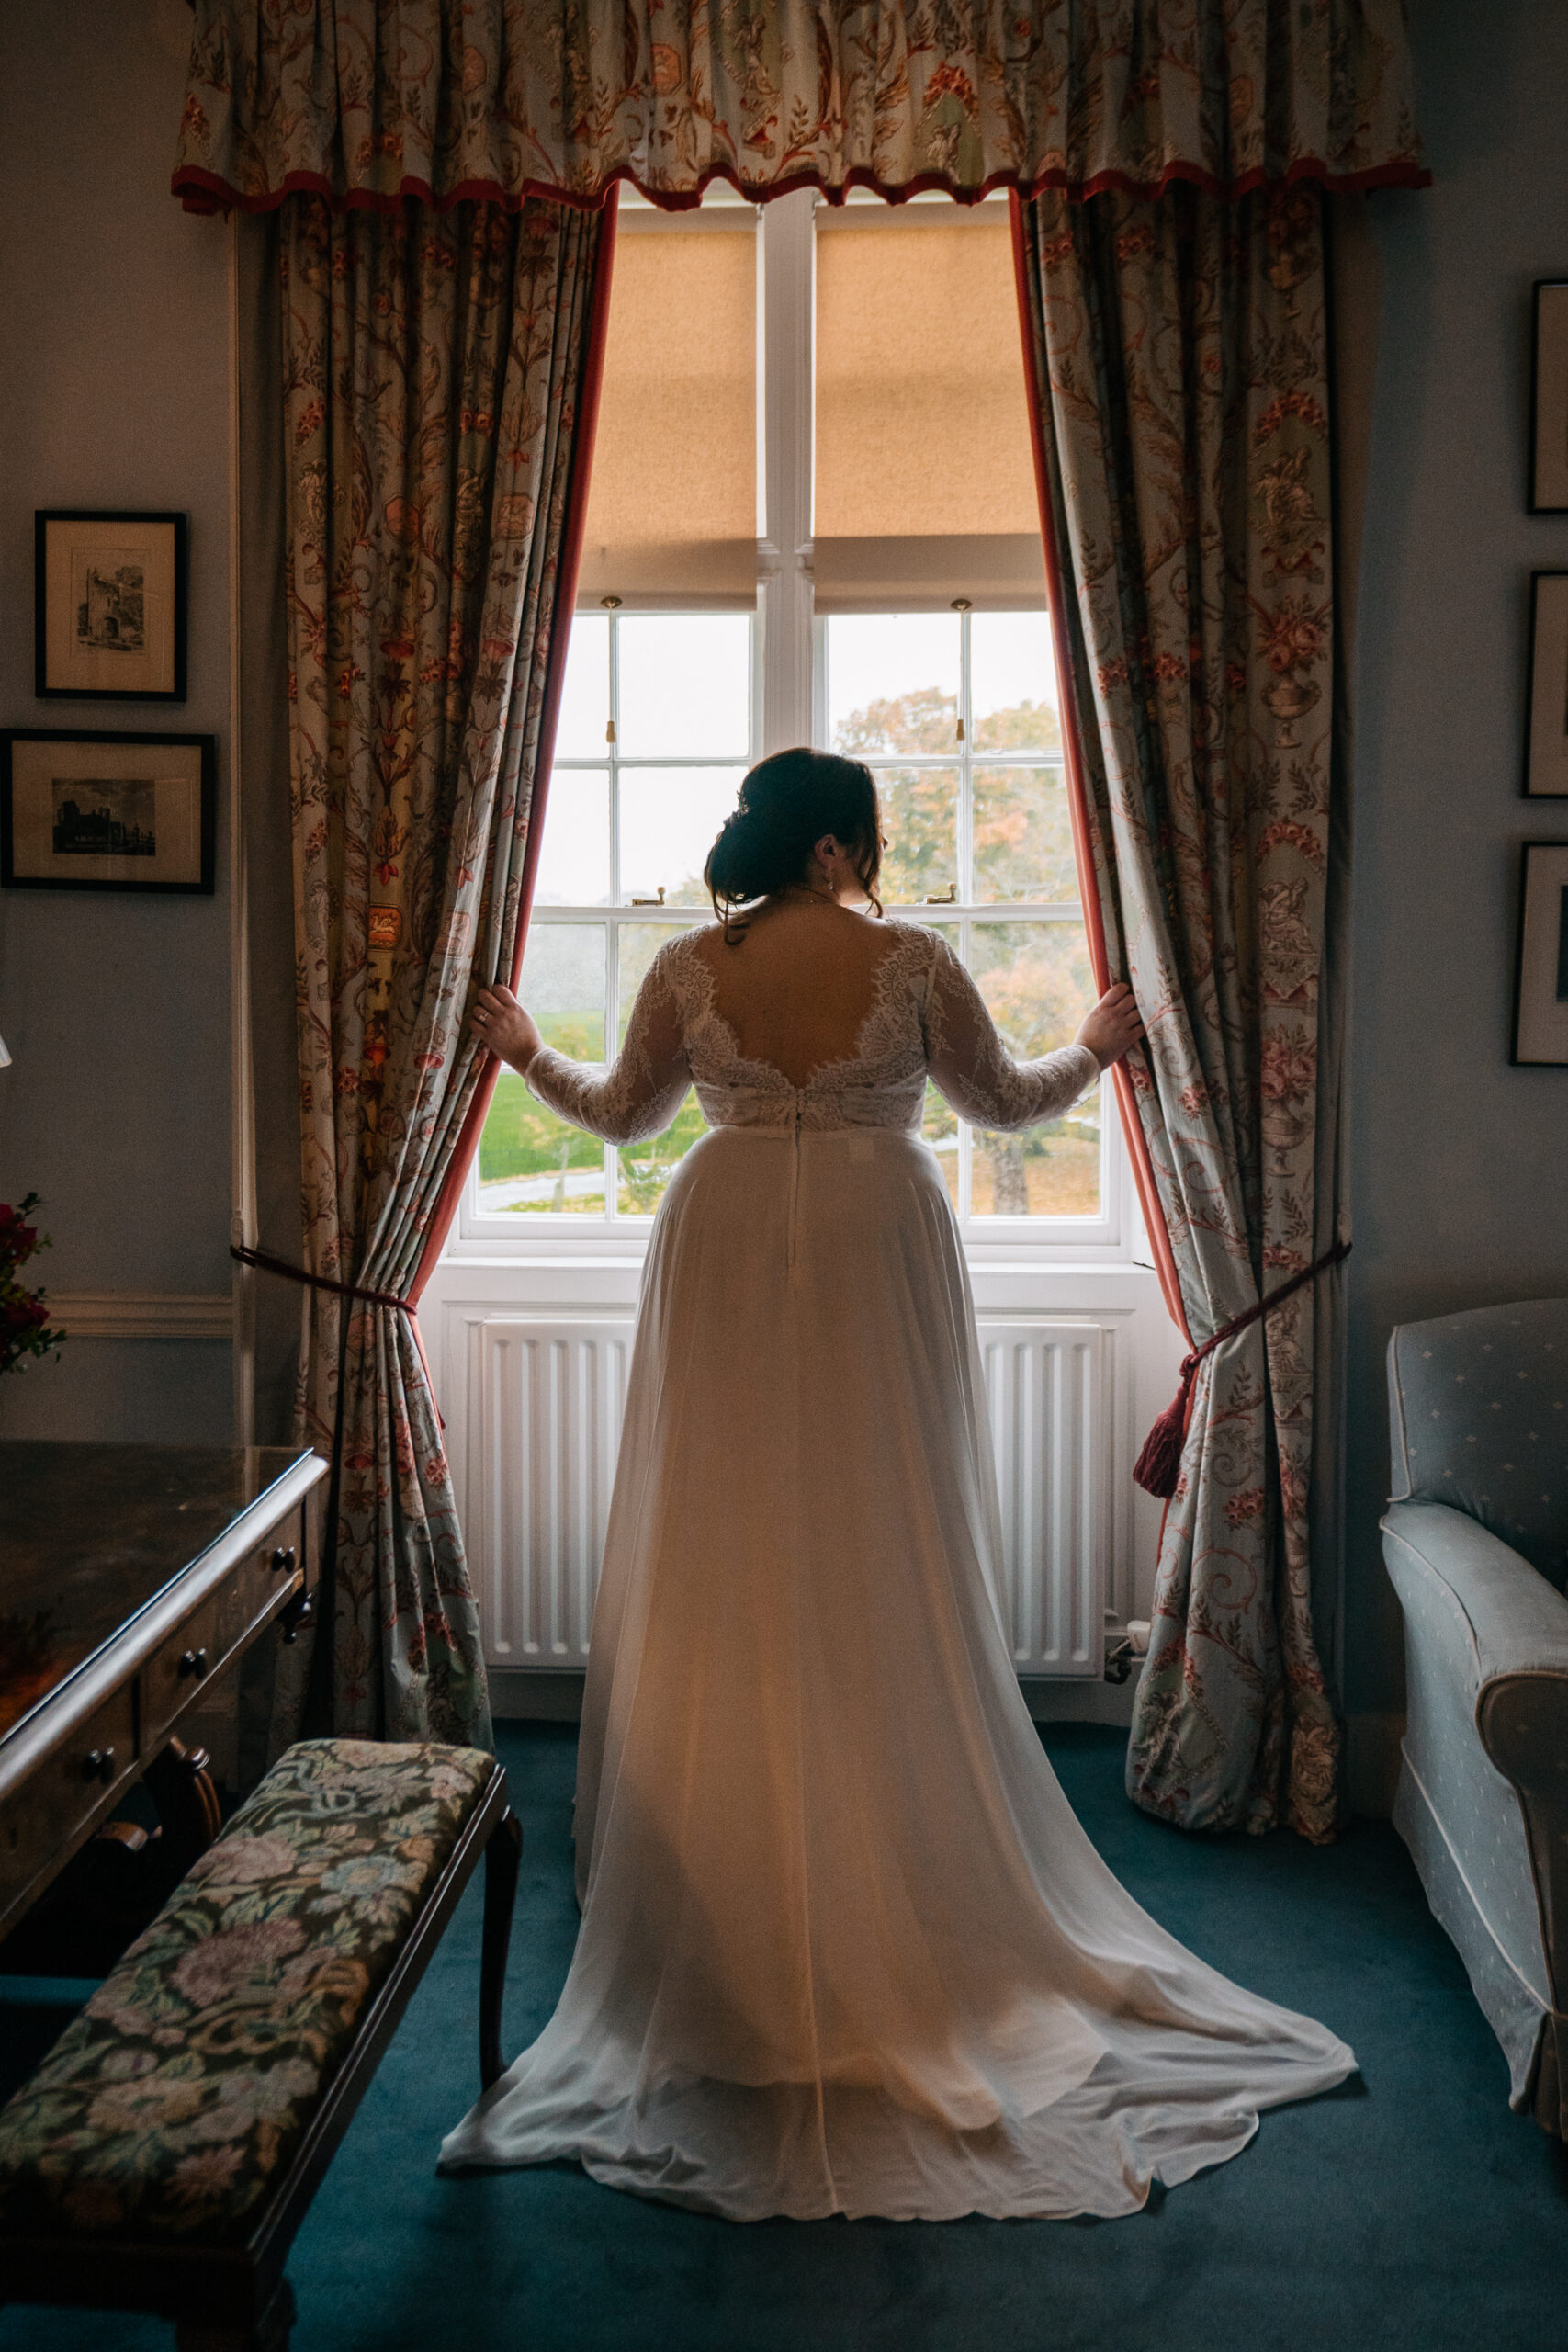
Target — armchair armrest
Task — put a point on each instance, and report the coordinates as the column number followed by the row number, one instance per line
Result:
column 1518, row 1626
column 1517, row 1623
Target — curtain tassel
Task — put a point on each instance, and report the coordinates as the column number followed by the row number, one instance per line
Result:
column 1158, row 1466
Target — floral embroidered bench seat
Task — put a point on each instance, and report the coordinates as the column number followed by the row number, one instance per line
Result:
column 164, row 2153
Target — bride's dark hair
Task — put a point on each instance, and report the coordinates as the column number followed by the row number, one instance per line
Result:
column 786, row 804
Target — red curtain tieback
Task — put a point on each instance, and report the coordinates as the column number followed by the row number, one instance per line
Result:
column 270, row 1265
column 1159, row 1465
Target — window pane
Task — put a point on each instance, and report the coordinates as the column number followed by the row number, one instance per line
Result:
column 893, row 681
column 1012, row 684
column 529, row 1159
column 685, row 685
column 563, row 986
column 922, row 418
column 574, row 861
column 645, row 1168
column 1023, row 836
column 585, row 692
column 1035, row 978
column 530, row 1162
column 919, row 817
column 669, row 819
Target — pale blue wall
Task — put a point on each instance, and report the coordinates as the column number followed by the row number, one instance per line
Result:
column 114, row 392
column 1459, row 1163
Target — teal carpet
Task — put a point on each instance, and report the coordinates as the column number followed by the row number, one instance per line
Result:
column 1410, row 2211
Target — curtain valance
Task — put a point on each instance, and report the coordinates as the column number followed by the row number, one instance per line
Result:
column 369, row 101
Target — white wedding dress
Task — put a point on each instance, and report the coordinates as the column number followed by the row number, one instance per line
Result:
column 844, row 1947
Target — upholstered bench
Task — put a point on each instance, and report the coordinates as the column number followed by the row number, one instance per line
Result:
column 165, row 2152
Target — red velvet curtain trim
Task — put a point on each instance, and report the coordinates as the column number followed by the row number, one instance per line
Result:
column 451, row 1192
column 1077, row 801
column 203, row 192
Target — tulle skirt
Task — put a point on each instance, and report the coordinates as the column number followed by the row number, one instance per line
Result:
column 844, row 1947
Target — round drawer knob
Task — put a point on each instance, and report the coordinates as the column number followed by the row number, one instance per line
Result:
column 283, row 1561
column 98, row 1765
column 194, row 1664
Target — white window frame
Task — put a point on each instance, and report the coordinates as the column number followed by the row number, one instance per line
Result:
column 789, row 704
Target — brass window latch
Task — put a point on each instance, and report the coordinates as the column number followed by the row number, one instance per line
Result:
column 651, row 902
column 948, row 898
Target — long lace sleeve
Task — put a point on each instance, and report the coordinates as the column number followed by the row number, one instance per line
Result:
column 973, row 1067
column 641, row 1091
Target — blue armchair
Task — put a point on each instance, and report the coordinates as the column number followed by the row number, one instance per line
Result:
column 1476, row 1542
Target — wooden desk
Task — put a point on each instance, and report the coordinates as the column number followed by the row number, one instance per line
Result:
column 131, row 1576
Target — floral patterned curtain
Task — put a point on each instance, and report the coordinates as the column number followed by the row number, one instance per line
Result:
column 1180, row 363
column 440, row 372
column 367, row 101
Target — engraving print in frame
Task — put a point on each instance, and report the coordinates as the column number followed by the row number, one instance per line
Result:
column 107, row 812
column 1548, row 399
column 1546, row 707
column 110, row 598
column 1540, row 987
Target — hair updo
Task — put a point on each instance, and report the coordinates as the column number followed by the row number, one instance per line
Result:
column 786, row 804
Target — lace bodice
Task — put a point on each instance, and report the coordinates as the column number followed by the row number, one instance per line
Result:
column 927, row 1017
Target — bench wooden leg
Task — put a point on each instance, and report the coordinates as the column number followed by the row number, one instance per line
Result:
column 268, row 2333
column 503, row 1852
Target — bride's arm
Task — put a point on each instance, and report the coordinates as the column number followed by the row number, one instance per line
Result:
column 977, row 1075
column 640, row 1093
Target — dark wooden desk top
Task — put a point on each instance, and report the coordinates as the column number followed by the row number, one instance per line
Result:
column 90, row 1535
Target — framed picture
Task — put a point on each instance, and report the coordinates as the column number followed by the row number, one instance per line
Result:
column 109, row 606
column 1548, row 399
column 1546, row 700
column 1540, row 996
column 107, row 812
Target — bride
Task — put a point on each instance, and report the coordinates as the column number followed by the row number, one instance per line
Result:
column 844, row 1947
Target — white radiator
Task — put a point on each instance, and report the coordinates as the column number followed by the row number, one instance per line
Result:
column 1047, row 1390
column 543, row 1421
column 537, row 1417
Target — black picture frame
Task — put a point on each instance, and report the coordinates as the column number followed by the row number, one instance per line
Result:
column 1540, row 962
column 53, row 666
column 25, row 864
column 1545, row 772
column 1549, row 392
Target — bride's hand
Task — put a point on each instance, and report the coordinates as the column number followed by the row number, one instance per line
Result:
column 1113, row 1027
column 499, row 1021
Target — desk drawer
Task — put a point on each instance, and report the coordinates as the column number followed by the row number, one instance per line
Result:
column 46, row 1819
column 195, row 1655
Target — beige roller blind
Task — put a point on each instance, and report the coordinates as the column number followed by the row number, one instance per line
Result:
column 925, row 478
column 673, row 504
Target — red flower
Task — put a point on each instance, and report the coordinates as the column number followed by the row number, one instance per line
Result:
column 1169, row 666
column 1289, row 1069
column 1292, row 637
column 1296, row 404
column 951, row 80
column 1246, row 1505
column 1284, row 833
column 345, row 678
